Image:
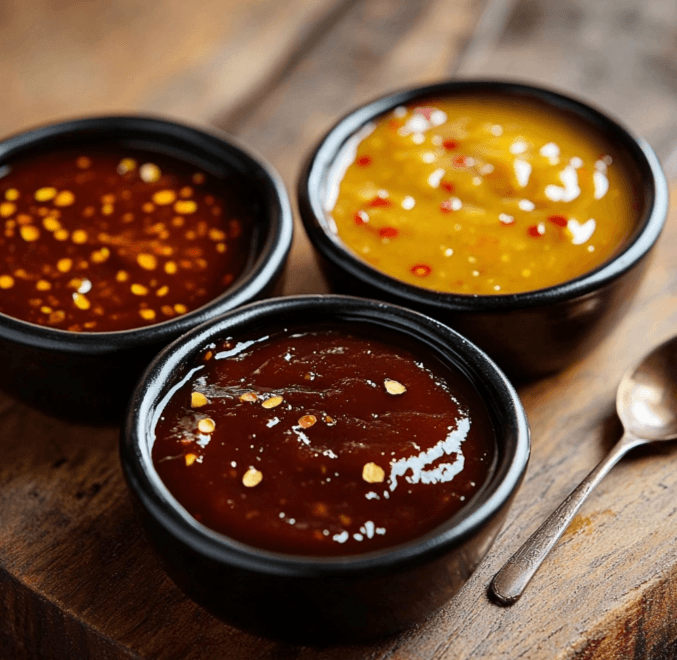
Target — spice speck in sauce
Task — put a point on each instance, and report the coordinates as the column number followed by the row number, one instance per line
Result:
column 109, row 216
column 348, row 467
column 197, row 400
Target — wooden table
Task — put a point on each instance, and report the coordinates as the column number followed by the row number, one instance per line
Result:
column 77, row 579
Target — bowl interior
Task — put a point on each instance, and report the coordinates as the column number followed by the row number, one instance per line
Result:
column 219, row 155
column 319, row 181
column 173, row 367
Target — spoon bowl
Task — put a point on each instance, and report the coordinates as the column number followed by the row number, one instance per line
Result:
column 646, row 403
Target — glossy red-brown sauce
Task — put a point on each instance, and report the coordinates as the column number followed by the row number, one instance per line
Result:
column 323, row 442
column 104, row 239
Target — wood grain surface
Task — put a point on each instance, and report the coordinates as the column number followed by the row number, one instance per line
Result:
column 77, row 579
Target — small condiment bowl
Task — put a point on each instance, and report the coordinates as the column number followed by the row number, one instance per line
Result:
column 89, row 376
column 311, row 598
column 529, row 334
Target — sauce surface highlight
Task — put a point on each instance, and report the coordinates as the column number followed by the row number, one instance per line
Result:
column 105, row 239
column 482, row 195
column 322, row 442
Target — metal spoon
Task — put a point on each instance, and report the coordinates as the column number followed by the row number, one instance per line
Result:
column 646, row 403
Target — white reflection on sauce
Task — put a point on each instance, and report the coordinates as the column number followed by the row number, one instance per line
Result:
column 239, row 348
column 601, row 184
column 581, row 233
column 522, row 171
column 571, row 189
column 416, row 465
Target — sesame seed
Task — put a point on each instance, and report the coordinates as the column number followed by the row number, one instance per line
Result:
column 64, row 265
column 373, row 474
column 394, row 387
column 146, row 261
column 149, row 172
column 64, row 198
column 45, row 194
column 81, row 301
column 197, row 400
column 7, row 209
column 164, row 197
column 30, row 233
column 252, row 477
column 126, row 165
column 79, row 236
column 139, row 289
column 206, row 425
column 184, row 206
column 50, row 223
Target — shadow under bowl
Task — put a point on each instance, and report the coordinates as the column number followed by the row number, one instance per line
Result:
column 529, row 334
column 89, row 376
column 313, row 599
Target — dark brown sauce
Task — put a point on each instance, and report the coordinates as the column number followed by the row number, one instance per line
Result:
column 104, row 239
column 323, row 442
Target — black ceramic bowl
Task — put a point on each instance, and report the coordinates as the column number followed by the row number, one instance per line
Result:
column 90, row 376
column 528, row 334
column 305, row 598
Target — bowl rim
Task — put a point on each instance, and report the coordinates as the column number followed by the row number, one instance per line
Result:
column 152, row 391
column 152, row 130
column 314, row 175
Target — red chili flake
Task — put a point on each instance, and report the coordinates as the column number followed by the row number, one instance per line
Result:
column 361, row 218
column 459, row 161
column 450, row 145
column 380, row 201
column 363, row 161
column 447, row 185
column 536, row 230
column 421, row 270
column 446, row 206
column 558, row 220
column 394, row 124
column 426, row 111
column 388, row 232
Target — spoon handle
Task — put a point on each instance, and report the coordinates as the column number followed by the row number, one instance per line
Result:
column 510, row 582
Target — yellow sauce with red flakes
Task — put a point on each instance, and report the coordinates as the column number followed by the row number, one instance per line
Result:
column 483, row 195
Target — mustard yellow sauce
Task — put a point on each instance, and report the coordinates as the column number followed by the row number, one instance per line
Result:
column 483, row 195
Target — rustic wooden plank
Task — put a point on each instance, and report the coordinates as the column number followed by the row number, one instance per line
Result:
column 76, row 577
column 187, row 60
column 608, row 589
column 609, row 585
column 379, row 46
column 617, row 54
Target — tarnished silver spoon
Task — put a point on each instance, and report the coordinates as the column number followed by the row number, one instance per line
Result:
column 646, row 403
